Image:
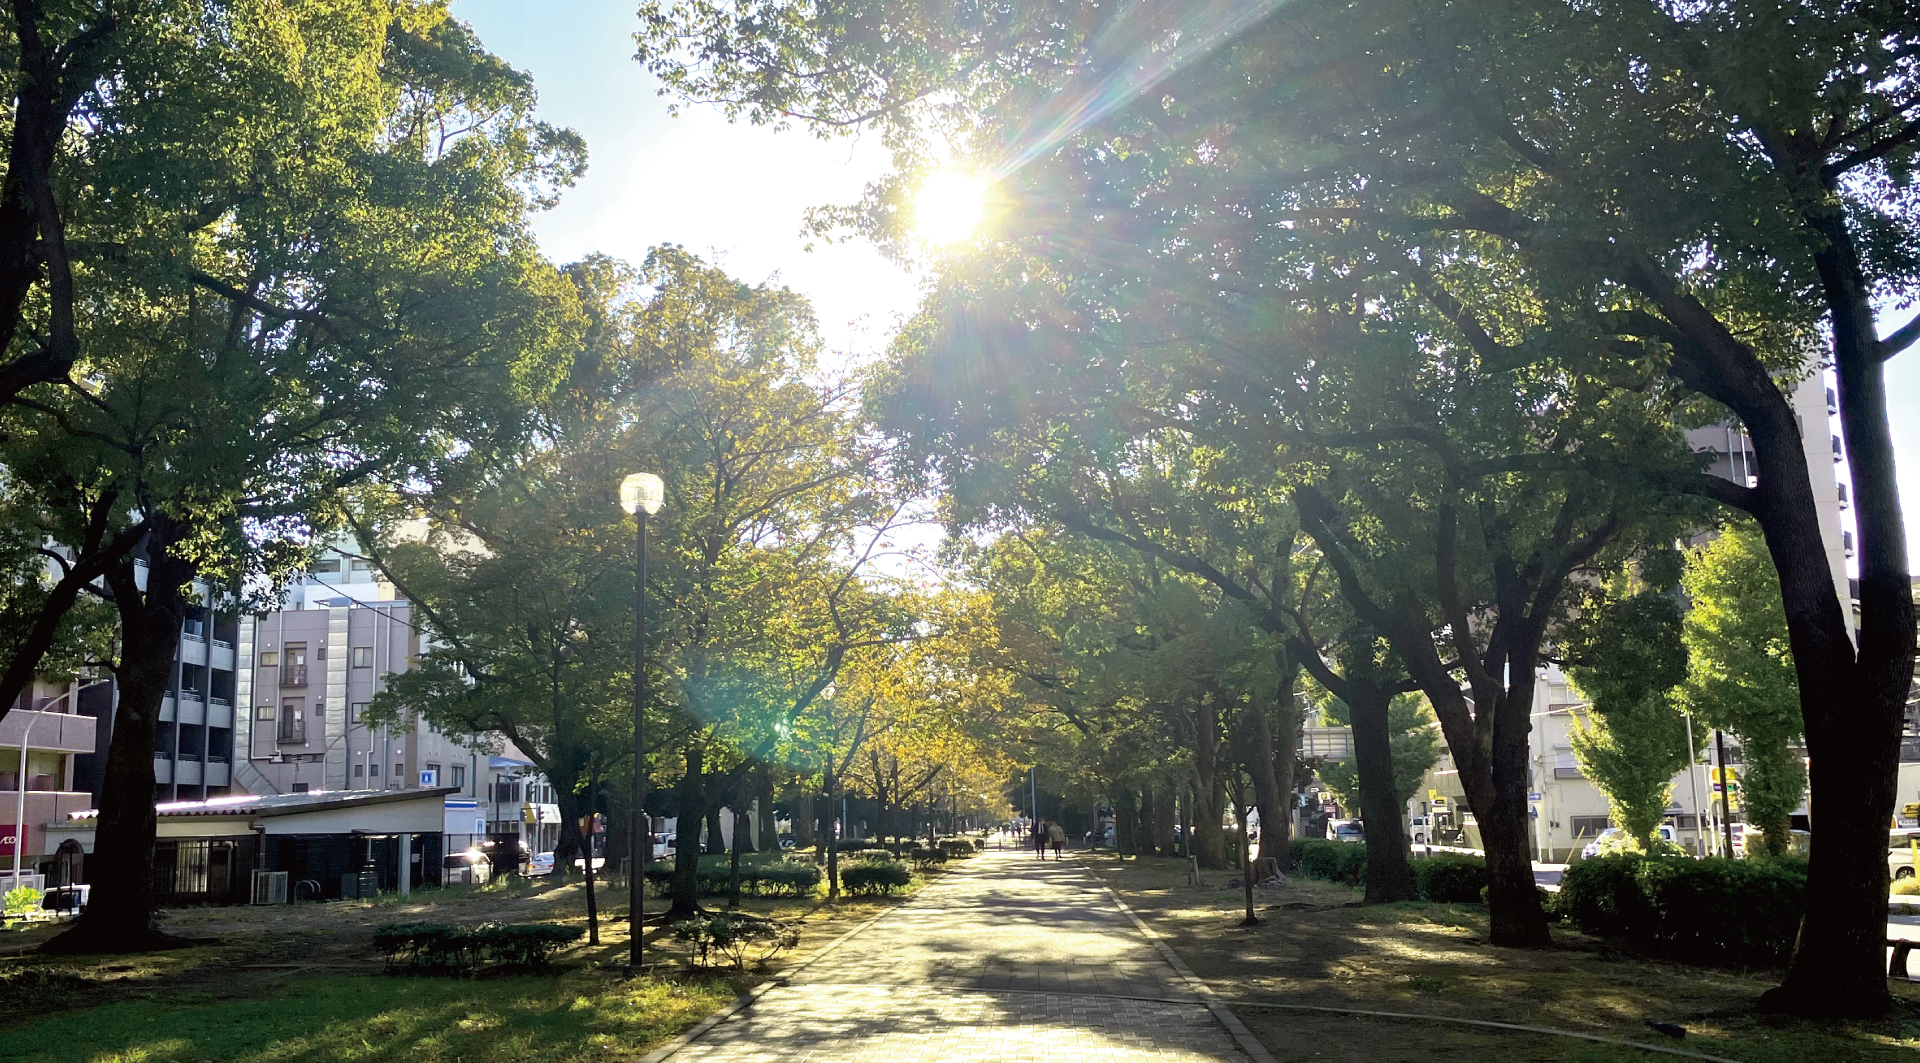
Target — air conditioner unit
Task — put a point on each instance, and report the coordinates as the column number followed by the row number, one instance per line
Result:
column 269, row 887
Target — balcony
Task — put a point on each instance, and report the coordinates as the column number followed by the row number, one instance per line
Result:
column 293, row 675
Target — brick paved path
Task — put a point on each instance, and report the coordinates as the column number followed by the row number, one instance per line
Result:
column 1006, row 959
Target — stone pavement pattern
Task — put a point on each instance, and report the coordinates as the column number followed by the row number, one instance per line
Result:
column 1007, row 958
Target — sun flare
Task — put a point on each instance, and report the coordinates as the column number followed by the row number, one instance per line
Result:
column 948, row 207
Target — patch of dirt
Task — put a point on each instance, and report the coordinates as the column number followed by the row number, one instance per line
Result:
column 1319, row 946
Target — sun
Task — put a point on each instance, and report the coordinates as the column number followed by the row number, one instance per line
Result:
column 948, row 207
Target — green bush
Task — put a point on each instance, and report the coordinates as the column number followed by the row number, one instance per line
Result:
column 1450, row 878
column 958, row 847
column 855, row 845
column 22, row 900
column 875, row 876
column 442, row 947
column 1716, row 911
column 927, row 859
column 733, row 935
column 782, row 878
column 1334, row 861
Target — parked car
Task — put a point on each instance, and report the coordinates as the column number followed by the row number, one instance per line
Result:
column 663, row 846
column 1419, row 828
column 541, row 864
column 1598, row 843
column 1900, row 854
column 66, row 898
column 1345, row 830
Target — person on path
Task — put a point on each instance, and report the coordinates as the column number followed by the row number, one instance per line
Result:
column 1040, row 838
column 1058, row 836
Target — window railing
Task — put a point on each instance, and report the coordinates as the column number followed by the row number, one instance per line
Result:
column 293, row 675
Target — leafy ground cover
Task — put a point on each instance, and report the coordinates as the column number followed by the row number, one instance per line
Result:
column 305, row 983
column 1317, row 945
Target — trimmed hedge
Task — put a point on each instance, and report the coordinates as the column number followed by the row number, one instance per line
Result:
column 1450, row 878
column 784, row 878
column 1334, row 861
column 875, row 876
column 446, row 948
column 1715, row 911
column 958, row 847
column 925, row 859
column 1444, row 878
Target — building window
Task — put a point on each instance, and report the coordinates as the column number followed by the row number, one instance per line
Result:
column 357, row 710
column 430, row 774
column 327, row 564
column 373, row 770
column 459, row 776
column 264, row 712
column 363, row 656
column 269, row 659
column 293, row 721
column 1588, row 826
column 359, row 770
column 293, row 673
column 299, row 788
column 399, row 770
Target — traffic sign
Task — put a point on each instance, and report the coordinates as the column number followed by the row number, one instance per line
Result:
column 1536, row 797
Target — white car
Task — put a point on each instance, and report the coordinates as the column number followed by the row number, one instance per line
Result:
column 1345, row 830
column 541, row 864
column 1419, row 828
column 1900, row 857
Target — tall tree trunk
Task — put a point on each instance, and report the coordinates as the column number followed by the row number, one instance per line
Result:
column 1210, row 805
column 1389, row 873
column 1148, row 839
column 831, row 839
column 803, row 837
column 1126, row 820
column 1165, row 813
column 1286, row 759
column 769, row 825
column 119, row 917
column 1256, row 755
column 686, row 857
column 716, row 839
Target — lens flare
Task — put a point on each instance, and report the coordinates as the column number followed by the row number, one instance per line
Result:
column 949, row 206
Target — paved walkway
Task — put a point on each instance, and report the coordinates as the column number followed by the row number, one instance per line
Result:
column 1006, row 959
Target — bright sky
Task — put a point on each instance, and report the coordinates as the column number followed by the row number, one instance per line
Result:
column 731, row 193
column 737, row 194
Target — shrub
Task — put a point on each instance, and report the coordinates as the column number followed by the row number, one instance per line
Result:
column 1907, row 887
column 441, row 947
column 958, row 847
column 854, row 845
column 732, row 936
column 1334, row 861
column 1450, row 878
column 927, row 859
column 783, row 878
column 1706, row 911
column 22, row 900
column 875, row 876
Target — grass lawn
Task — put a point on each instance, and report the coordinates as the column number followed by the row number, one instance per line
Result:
column 579, row 1016
column 1318, row 946
column 302, row 982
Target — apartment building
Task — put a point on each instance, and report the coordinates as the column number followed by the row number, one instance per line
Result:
column 41, row 741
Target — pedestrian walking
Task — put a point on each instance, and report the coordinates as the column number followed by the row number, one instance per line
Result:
column 1057, row 835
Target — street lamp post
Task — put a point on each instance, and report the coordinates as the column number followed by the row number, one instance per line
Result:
column 641, row 495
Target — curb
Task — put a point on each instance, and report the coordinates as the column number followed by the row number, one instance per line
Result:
column 1221, row 1013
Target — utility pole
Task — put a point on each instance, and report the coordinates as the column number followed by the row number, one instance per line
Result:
column 1726, row 817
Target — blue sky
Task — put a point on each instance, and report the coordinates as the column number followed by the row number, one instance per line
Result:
column 733, row 193
column 738, row 194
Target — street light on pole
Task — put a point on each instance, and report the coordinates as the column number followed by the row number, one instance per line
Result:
column 641, row 495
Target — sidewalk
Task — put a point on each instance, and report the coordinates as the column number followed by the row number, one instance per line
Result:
column 1006, row 959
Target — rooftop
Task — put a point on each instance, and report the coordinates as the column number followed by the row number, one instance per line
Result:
column 281, row 804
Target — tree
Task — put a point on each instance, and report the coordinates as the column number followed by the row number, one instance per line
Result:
column 1681, row 196
column 1626, row 656
column 1741, row 675
column 315, row 343
column 1416, row 747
